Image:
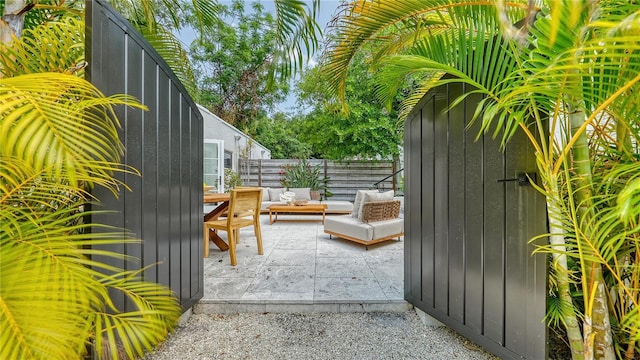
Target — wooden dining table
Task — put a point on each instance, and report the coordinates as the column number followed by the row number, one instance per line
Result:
column 223, row 200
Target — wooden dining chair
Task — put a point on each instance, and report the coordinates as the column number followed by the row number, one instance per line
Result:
column 244, row 211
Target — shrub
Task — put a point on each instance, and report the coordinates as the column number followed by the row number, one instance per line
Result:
column 303, row 175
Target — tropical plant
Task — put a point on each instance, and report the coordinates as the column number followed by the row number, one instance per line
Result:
column 60, row 139
column 567, row 76
column 231, row 180
column 303, row 175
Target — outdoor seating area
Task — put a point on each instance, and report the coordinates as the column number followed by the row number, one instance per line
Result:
column 303, row 269
column 375, row 218
column 276, row 265
column 271, row 196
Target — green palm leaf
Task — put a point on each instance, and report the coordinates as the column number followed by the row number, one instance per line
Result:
column 172, row 51
column 52, row 121
column 52, row 47
column 297, row 34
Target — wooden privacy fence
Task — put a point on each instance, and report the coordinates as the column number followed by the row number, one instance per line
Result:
column 345, row 177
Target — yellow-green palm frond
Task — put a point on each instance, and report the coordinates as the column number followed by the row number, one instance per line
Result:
column 51, row 47
column 156, row 314
column 53, row 298
column 44, row 11
column 297, row 36
column 62, row 124
column 24, row 190
column 469, row 48
column 172, row 51
column 48, row 285
column 371, row 21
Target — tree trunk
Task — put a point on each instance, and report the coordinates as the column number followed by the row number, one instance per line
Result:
column 13, row 19
column 557, row 240
column 597, row 327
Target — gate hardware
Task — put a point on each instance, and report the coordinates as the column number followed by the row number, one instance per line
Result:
column 522, row 179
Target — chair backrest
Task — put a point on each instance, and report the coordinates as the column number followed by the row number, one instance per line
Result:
column 244, row 202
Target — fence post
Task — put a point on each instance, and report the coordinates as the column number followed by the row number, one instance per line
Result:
column 260, row 172
column 393, row 177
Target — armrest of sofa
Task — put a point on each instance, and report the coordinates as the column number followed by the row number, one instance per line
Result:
column 380, row 210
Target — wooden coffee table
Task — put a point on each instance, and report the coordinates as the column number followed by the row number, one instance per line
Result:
column 296, row 209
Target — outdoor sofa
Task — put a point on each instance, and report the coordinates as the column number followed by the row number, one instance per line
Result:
column 375, row 218
column 271, row 196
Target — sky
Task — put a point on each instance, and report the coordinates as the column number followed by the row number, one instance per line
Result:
column 327, row 11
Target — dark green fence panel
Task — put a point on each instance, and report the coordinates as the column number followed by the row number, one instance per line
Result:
column 163, row 207
column 468, row 261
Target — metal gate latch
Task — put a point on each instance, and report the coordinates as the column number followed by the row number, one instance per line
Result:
column 522, row 179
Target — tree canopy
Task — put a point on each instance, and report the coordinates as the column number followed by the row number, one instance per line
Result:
column 367, row 130
column 232, row 63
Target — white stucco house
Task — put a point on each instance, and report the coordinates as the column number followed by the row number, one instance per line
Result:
column 224, row 146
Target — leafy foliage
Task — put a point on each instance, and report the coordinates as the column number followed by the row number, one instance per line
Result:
column 231, row 179
column 303, row 175
column 233, row 63
column 60, row 138
column 568, row 69
column 367, row 130
column 281, row 136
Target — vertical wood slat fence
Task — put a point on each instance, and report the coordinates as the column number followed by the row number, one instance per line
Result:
column 163, row 206
column 468, row 259
column 345, row 177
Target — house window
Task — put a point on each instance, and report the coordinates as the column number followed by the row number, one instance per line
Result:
column 228, row 160
column 212, row 164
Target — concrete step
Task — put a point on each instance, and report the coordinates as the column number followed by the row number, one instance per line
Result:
column 205, row 306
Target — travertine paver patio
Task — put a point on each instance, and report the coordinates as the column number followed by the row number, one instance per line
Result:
column 303, row 270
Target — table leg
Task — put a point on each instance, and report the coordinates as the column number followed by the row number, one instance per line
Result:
column 323, row 216
column 213, row 236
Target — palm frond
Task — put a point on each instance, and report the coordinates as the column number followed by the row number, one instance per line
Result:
column 297, row 36
column 48, row 283
column 172, row 51
column 53, row 121
column 55, row 46
column 44, row 11
column 368, row 22
column 157, row 312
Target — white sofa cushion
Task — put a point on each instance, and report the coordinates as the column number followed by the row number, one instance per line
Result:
column 349, row 226
column 336, row 205
column 301, row 193
column 358, row 201
column 274, row 194
column 265, row 194
column 385, row 228
column 377, row 196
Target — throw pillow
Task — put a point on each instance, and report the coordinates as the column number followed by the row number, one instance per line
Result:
column 301, row 193
column 265, row 194
column 357, row 203
column 274, row 194
column 378, row 196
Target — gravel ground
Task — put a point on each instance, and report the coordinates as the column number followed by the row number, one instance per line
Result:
column 315, row 336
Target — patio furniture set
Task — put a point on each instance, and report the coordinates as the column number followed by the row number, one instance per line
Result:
column 373, row 217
